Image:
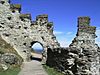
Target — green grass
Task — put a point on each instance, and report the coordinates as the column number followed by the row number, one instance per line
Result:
column 13, row 71
column 51, row 71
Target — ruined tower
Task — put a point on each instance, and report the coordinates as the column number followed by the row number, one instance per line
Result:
column 85, row 42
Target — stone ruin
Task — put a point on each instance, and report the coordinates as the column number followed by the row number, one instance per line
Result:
column 82, row 57
column 21, row 32
column 85, row 42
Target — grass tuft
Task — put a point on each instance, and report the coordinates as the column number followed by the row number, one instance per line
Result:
column 51, row 71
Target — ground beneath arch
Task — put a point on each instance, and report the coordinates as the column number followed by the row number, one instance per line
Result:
column 32, row 68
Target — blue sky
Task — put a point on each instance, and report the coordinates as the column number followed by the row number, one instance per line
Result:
column 64, row 14
column 37, row 46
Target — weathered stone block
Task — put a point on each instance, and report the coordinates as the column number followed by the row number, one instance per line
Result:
column 15, row 7
column 28, row 16
column 83, row 21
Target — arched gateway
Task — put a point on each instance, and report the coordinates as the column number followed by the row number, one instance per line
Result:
column 19, row 31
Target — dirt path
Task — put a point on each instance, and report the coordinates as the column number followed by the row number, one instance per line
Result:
column 32, row 68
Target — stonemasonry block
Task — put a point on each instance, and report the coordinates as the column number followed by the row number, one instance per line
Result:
column 42, row 16
column 50, row 24
column 83, row 21
column 28, row 16
column 15, row 6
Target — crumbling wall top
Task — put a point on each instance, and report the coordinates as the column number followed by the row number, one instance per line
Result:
column 84, row 25
column 15, row 6
column 83, row 21
column 28, row 16
column 3, row 1
column 42, row 16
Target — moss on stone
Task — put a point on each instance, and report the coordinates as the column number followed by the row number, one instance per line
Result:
column 50, row 24
column 42, row 16
column 15, row 6
column 28, row 16
column 7, row 48
column 84, row 17
column 87, row 29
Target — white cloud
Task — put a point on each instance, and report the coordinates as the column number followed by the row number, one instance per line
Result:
column 65, row 38
column 37, row 46
column 69, row 33
column 64, row 43
column 98, row 34
column 57, row 32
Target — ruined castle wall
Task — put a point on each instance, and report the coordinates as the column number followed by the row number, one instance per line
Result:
column 18, row 30
column 85, row 41
column 82, row 56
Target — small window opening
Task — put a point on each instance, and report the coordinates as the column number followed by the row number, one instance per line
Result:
column 0, row 26
column 42, row 37
column 2, row 23
column 15, row 38
column 24, row 44
column 11, row 27
column 19, row 27
column 25, row 27
column 22, row 20
column 6, row 34
column 13, row 11
column 25, row 36
column 9, row 18
column 2, row 2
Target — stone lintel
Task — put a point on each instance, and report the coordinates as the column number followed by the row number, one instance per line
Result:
column 15, row 7
column 28, row 16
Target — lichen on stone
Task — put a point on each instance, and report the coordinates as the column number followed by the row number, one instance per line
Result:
column 28, row 16
column 15, row 6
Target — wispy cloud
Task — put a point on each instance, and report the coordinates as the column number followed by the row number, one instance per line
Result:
column 58, row 32
column 64, row 43
column 69, row 33
column 98, row 34
column 65, row 38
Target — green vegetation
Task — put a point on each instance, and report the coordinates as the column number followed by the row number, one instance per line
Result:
column 17, row 6
column 14, row 68
column 13, row 71
column 51, row 71
column 50, row 24
column 7, row 48
column 25, row 16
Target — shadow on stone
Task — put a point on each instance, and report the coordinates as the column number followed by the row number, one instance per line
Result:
column 35, row 58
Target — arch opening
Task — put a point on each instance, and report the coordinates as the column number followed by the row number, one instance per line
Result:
column 36, row 50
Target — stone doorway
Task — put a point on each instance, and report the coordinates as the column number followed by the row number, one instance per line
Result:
column 36, row 50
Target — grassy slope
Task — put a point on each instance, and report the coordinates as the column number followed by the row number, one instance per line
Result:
column 7, row 48
column 51, row 71
column 13, row 71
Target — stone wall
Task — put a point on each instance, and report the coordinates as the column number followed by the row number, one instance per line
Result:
column 19, row 31
column 82, row 57
column 85, row 41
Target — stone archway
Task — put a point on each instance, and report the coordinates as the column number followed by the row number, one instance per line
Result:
column 37, row 48
column 19, row 30
column 35, row 55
